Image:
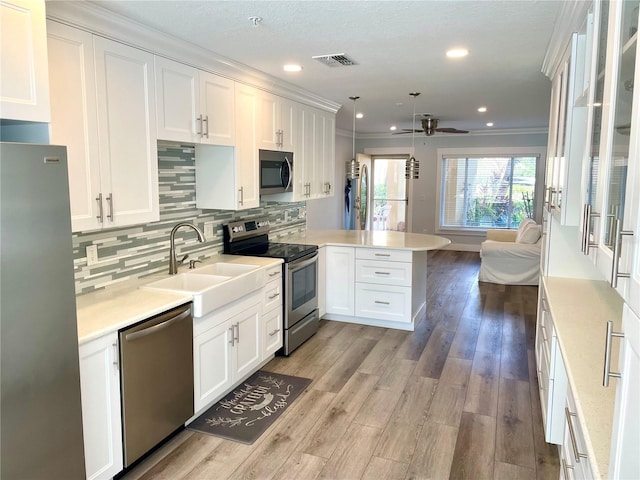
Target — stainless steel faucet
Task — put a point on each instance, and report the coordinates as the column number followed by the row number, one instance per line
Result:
column 173, row 261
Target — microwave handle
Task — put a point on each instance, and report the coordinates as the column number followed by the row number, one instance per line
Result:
column 290, row 176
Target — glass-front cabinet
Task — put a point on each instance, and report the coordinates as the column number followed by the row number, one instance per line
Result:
column 617, row 137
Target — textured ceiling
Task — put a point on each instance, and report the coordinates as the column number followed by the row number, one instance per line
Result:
column 399, row 47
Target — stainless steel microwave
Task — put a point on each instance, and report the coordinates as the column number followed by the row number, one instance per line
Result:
column 276, row 171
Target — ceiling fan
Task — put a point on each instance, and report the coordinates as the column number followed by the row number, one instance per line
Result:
column 430, row 126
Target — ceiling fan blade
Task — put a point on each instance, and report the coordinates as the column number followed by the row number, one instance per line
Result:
column 407, row 130
column 450, row 130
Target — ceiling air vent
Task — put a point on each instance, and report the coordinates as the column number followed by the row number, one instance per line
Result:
column 335, row 60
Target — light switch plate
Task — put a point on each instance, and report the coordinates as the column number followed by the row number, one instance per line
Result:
column 208, row 230
column 92, row 255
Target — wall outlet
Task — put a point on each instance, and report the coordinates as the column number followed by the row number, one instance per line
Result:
column 302, row 212
column 286, row 215
column 92, row 255
column 208, row 230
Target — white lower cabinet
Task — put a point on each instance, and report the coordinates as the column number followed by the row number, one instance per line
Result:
column 226, row 348
column 340, row 278
column 552, row 374
column 101, row 414
column 383, row 302
column 574, row 461
column 625, row 441
column 272, row 321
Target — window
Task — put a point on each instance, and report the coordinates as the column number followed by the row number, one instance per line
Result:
column 484, row 191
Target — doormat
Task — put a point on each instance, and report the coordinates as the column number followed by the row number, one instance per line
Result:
column 245, row 413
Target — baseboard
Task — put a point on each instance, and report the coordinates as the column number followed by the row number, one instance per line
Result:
column 463, row 247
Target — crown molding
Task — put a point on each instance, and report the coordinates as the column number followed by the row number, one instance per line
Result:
column 570, row 18
column 472, row 133
column 102, row 22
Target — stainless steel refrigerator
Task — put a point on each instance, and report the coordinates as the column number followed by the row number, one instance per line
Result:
column 41, row 416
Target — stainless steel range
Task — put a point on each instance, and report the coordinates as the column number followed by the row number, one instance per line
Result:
column 299, row 276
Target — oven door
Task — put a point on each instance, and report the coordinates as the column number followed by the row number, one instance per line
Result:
column 301, row 287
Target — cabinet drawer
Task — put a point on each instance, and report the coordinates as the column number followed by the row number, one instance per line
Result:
column 383, row 302
column 574, row 445
column 384, row 254
column 272, row 295
column 272, row 332
column 545, row 385
column 386, row 273
column 274, row 272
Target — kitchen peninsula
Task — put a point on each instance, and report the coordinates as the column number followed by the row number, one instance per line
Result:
column 376, row 278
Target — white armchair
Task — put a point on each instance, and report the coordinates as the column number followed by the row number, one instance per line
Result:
column 511, row 257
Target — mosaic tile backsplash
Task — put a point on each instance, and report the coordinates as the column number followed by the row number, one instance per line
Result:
column 136, row 251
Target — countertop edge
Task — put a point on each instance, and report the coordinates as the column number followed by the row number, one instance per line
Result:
column 370, row 239
column 593, row 303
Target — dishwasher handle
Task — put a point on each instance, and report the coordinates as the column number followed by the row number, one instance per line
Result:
column 161, row 326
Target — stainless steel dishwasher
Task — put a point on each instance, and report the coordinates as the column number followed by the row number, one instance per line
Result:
column 156, row 358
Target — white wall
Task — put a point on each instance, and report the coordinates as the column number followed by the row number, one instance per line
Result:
column 424, row 190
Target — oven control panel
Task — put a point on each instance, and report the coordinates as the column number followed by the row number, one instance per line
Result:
column 246, row 228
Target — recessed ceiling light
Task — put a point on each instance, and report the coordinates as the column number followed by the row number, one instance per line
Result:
column 489, row 124
column 457, row 53
column 359, row 115
column 482, row 109
column 393, row 128
column 292, row 68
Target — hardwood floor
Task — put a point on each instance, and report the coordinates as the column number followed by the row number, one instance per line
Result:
column 457, row 398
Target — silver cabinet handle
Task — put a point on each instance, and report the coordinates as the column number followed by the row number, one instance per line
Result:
column 587, row 231
column 382, row 254
column 241, row 191
column 566, row 469
column 607, row 354
column 382, row 273
column 271, row 334
column 115, row 356
column 110, row 203
column 100, row 216
column 572, row 434
column 161, row 326
column 237, row 327
column 275, row 295
column 233, row 338
column 273, row 274
column 199, row 120
column 584, row 234
column 615, row 274
column 205, row 120
column 381, row 302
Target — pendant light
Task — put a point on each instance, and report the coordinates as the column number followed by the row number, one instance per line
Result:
column 412, row 167
column 353, row 167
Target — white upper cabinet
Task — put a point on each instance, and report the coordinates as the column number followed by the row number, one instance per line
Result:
column 103, row 109
column 277, row 126
column 192, row 105
column 227, row 178
column 24, row 82
column 615, row 236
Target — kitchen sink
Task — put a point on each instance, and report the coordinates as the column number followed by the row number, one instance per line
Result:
column 226, row 269
column 213, row 286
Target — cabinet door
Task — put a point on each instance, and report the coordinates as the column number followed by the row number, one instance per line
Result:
column 340, row 278
column 625, row 461
column 177, row 101
column 619, row 122
column 247, row 345
column 127, row 133
column 101, row 419
column 329, row 154
column 217, row 105
column 74, row 120
column 308, row 153
column 289, row 126
column 24, row 83
column 268, row 126
column 212, row 364
column 247, row 171
column 272, row 339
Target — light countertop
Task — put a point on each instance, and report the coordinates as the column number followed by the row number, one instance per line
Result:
column 372, row 239
column 108, row 310
column 580, row 311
